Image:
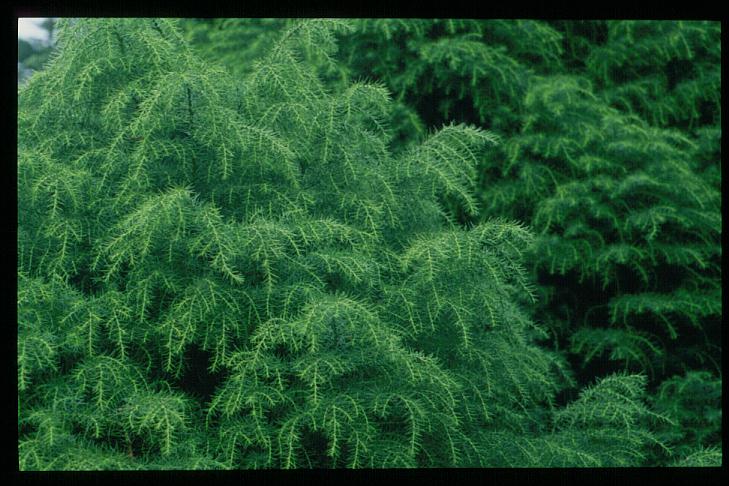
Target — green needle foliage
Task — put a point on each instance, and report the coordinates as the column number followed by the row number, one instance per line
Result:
column 667, row 72
column 611, row 152
column 234, row 43
column 693, row 401
column 220, row 272
column 470, row 70
column 601, row 188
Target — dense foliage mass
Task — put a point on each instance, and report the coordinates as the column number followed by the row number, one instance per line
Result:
column 611, row 153
column 235, row 250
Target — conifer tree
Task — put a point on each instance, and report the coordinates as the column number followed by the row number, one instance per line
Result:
column 237, row 273
column 476, row 71
column 628, row 254
column 602, row 188
column 667, row 72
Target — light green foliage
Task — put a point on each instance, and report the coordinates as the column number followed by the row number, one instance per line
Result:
column 220, row 272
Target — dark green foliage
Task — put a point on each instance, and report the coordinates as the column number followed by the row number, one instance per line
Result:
column 608, row 417
column 668, row 72
column 693, row 401
column 239, row 272
column 476, row 71
column 709, row 457
column 601, row 188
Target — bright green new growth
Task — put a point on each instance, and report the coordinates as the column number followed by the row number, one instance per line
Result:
column 233, row 274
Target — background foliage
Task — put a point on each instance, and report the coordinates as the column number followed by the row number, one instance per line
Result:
column 263, row 243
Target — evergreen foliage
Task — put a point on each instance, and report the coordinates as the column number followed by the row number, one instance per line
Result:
column 602, row 191
column 234, row 43
column 475, row 71
column 232, row 255
column 222, row 272
column 693, row 401
column 667, row 72
column 611, row 153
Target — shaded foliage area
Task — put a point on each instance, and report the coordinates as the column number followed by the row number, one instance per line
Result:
column 221, row 271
